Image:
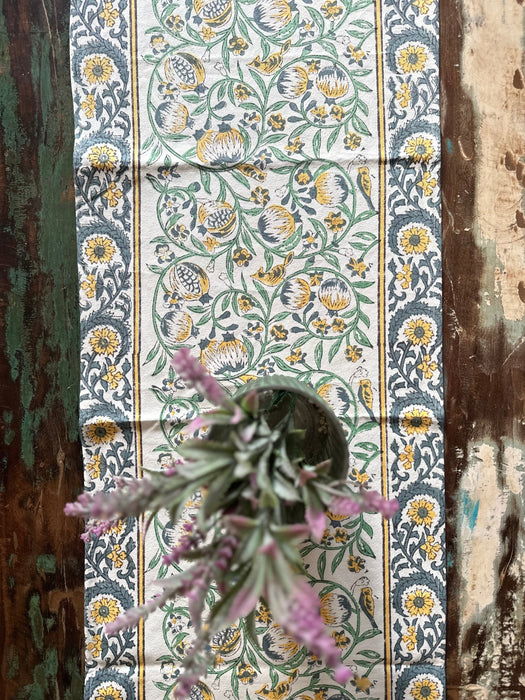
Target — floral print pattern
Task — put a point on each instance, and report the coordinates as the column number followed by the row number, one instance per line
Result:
column 259, row 236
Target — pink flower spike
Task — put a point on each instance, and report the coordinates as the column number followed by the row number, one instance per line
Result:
column 244, row 602
column 316, row 521
column 342, row 674
column 305, row 476
column 193, row 373
column 271, row 548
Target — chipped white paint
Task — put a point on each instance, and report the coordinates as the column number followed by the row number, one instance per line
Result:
column 493, row 46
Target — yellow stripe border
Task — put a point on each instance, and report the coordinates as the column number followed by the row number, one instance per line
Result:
column 383, row 342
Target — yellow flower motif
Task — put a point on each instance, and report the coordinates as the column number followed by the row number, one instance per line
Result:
column 405, row 276
column 207, row 34
column 425, row 690
column 353, row 353
column 116, row 556
column 352, row 140
column 356, row 54
column 294, row 146
column 416, row 422
column 260, row 195
column 103, row 157
column 431, row 548
column 262, row 614
column 302, row 177
column 277, row 122
column 242, row 92
column 422, row 512
column 403, row 95
column 340, row 639
column 105, row 610
column 113, row 377
column 407, row 457
column 355, row 564
column 361, row 478
column 112, row 194
column 296, row 356
column 419, row 603
column 415, row 240
column 246, row 673
column 340, row 535
column 357, row 266
column 338, row 325
column 211, row 243
column 93, row 467
column 98, row 69
column 315, row 279
column 337, row 112
column 102, row 431
column 279, row 332
column 321, row 324
column 108, row 692
column 104, row 341
column 89, row 105
column 242, row 257
column 238, row 45
column 427, row 184
column 335, row 222
column 89, row 285
column 109, row 15
column 99, row 250
column 412, row 59
column 410, row 638
column 419, row 332
column 427, row 367
column 320, row 112
column 331, row 9
column 419, row 149
column 95, row 647
column 423, row 5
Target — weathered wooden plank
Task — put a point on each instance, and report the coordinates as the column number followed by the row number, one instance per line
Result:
column 484, row 272
column 41, row 579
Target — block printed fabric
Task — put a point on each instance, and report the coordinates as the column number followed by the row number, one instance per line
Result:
column 258, row 180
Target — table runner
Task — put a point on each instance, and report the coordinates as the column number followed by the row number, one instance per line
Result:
column 258, row 181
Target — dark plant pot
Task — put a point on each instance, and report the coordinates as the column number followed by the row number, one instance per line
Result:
column 324, row 436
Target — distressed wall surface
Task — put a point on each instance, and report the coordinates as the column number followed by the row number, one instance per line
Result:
column 41, row 561
column 484, row 273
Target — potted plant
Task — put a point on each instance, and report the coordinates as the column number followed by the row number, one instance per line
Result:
column 274, row 459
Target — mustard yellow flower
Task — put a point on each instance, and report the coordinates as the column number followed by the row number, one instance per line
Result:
column 105, row 610
column 419, row 603
column 425, row 689
column 404, row 276
column 103, row 157
column 109, row 14
column 431, row 548
column 101, row 431
column 412, row 59
column 406, row 457
column 113, row 377
column 416, row 422
column 95, row 646
column 353, row 353
column 99, row 250
column 427, row 183
column 112, row 194
column 89, row 286
column 93, row 467
column 421, row 512
column 98, row 69
column 419, row 331
column 419, row 149
column 427, row 367
column 117, row 556
column 104, row 341
column 415, row 240
column 89, row 105
column 410, row 638
column 403, row 95
column 423, row 5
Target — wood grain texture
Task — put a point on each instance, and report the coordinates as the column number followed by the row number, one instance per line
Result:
column 484, row 253
column 41, row 561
